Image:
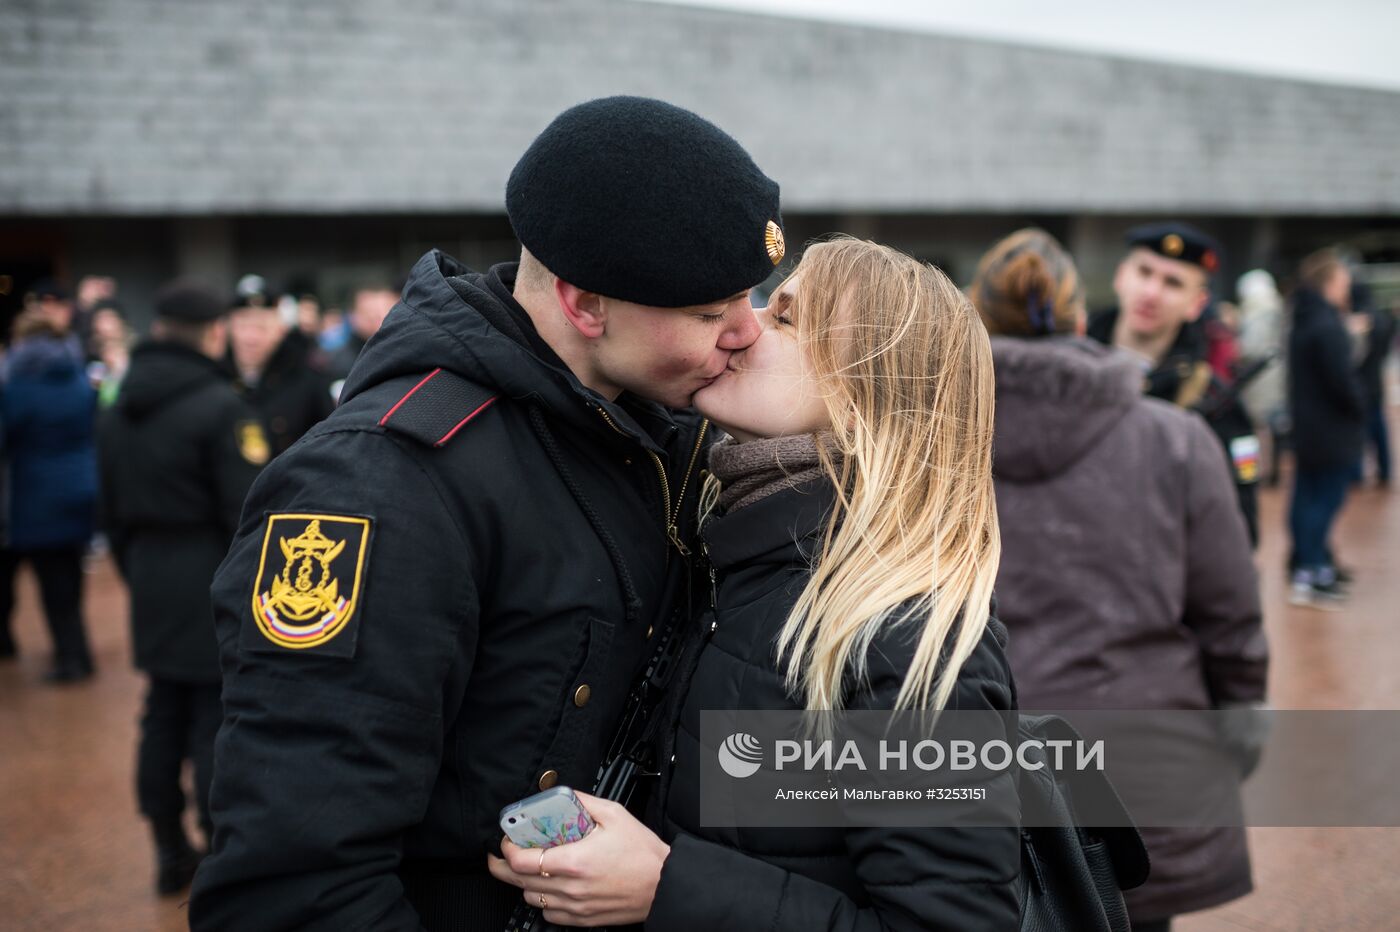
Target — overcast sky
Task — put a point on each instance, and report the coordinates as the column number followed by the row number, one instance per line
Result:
column 1342, row 41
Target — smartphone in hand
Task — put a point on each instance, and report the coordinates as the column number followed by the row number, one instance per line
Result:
column 554, row 817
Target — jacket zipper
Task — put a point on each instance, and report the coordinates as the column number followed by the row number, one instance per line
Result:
column 671, row 517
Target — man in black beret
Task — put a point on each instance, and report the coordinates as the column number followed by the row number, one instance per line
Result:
column 1163, row 286
column 178, row 451
column 441, row 596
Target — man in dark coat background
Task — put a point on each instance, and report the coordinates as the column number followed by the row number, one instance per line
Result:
column 369, row 305
column 277, row 366
column 1328, row 409
column 179, row 451
column 1380, row 328
column 1163, row 287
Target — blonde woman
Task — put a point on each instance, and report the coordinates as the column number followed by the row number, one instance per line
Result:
column 855, row 542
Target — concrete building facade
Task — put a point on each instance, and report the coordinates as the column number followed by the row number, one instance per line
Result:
column 328, row 142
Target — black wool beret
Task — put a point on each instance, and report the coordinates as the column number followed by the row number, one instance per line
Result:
column 189, row 301
column 1178, row 241
column 643, row 201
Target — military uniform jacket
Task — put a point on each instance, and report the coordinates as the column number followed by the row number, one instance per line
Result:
column 293, row 393
column 177, row 451
column 1185, row 379
column 434, row 607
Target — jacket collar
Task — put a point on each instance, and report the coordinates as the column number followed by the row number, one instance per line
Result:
column 453, row 318
column 785, row 527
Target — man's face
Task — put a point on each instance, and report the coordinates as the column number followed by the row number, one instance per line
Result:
column 1337, row 291
column 1157, row 295
column 769, row 389
column 254, row 333
column 669, row 354
column 57, row 312
column 369, row 310
column 94, row 288
column 107, row 325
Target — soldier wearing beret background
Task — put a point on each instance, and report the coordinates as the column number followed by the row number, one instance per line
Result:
column 1163, row 286
column 438, row 599
column 178, row 451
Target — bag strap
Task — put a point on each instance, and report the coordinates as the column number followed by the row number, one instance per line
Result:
column 1129, row 854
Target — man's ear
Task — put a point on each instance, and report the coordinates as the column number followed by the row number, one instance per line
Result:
column 582, row 309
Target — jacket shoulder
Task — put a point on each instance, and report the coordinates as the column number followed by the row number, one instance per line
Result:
column 431, row 408
column 983, row 681
column 1169, row 426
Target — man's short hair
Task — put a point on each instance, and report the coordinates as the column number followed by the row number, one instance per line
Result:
column 532, row 275
column 1317, row 269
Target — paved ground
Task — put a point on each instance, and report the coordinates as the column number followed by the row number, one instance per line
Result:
column 75, row 855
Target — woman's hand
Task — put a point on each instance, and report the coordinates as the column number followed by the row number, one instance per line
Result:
column 607, row 878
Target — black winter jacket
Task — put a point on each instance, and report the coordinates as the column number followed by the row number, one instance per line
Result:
column 1378, row 346
column 795, row 880
column 293, row 394
column 178, row 452
column 478, row 563
column 1325, row 397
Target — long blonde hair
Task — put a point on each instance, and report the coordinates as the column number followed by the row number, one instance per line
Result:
column 913, row 539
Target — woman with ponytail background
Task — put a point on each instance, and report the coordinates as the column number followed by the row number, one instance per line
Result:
column 855, row 542
column 1126, row 575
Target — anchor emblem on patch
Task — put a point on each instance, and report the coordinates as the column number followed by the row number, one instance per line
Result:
column 308, row 596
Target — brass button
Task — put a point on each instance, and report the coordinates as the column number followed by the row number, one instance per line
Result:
column 582, row 695
column 650, row 630
column 548, row 779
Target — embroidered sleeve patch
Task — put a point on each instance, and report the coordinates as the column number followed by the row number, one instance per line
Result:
column 310, row 577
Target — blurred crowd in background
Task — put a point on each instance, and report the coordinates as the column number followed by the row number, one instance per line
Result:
column 289, row 352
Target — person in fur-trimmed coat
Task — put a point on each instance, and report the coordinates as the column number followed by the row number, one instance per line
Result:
column 1126, row 577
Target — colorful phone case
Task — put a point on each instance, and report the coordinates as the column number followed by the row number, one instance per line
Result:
column 554, row 817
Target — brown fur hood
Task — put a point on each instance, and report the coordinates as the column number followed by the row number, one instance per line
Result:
column 1056, row 397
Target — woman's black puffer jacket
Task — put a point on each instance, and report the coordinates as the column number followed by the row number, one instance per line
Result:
column 782, row 879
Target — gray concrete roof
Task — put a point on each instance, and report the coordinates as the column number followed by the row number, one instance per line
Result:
column 330, row 106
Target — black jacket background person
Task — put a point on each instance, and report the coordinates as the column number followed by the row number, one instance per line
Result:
column 292, row 394
column 1325, row 393
column 178, row 452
